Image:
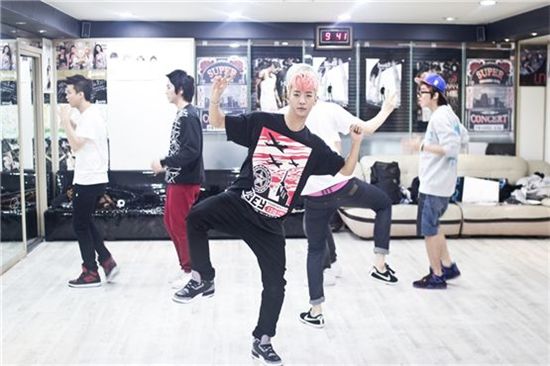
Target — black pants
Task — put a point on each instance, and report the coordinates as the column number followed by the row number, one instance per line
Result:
column 229, row 213
column 89, row 238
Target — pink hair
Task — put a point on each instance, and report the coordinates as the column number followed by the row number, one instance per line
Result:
column 304, row 81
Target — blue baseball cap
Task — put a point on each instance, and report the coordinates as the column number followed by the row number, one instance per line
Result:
column 433, row 80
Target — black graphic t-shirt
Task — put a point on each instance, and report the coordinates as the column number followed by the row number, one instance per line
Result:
column 184, row 164
column 279, row 161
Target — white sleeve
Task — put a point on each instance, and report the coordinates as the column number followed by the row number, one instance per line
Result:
column 448, row 133
column 342, row 119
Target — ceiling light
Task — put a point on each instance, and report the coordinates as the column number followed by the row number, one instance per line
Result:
column 20, row 23
column 234, row 45
column 534, row 34
column 487, row 2
column 450, row 19
column 344, row 17
column 42, row 31
column 506, row 39
column 285, row 43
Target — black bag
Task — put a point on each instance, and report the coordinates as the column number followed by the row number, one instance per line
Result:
column 386, row 176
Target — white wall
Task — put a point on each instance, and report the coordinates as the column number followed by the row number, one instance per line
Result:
column 138, row 113
column 531, row 126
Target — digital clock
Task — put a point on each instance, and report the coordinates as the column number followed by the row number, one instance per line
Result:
column 333, row 37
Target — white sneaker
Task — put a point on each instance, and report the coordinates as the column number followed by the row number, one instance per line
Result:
column 180, row 280
column 336, row 268
column 329, row 279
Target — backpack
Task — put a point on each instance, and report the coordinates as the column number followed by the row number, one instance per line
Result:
column 386, row 176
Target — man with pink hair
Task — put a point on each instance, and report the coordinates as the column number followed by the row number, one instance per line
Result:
column 282, row 154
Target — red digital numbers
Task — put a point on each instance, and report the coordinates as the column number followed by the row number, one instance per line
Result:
column 335, row 38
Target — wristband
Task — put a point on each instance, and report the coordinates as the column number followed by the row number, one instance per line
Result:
column 422, row 146
column 215, row 103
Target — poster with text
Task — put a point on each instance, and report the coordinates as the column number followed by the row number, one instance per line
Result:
column 383, row 78
column 235, row 98
column 489, row 95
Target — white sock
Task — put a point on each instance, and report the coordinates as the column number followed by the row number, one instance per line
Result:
column 380, row 261
column 196, row 276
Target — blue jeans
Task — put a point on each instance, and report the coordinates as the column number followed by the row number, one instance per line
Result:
column 319, row 210
column 430, row 210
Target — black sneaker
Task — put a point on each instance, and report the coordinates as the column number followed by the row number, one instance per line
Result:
column 110, row 268
column 314, row 321
column 193, row 289
column 265, row 353
column 449, row 273
column 431, row 282
column 86, row 279
column 387, row 277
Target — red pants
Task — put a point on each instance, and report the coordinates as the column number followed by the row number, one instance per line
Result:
column 179, row 199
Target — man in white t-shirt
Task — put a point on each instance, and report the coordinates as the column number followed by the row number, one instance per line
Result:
column 87, row 135
column 323, row 195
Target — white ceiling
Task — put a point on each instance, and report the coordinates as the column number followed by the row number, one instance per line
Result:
column 365, row 11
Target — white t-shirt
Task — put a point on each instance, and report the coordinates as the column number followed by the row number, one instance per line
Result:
column 92, row 158
column 328, row 121
column 437, row 173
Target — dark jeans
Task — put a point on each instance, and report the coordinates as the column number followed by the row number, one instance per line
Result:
column 319, row 210
column 89, row 238
column 229, row 213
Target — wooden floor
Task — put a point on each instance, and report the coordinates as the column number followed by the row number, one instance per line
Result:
column 496, row 313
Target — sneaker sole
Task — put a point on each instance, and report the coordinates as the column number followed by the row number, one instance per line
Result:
column 316, row 326
column 384, row 282
column 257, row 357
column 187, row 300
column 87, row 285
column 114, row 272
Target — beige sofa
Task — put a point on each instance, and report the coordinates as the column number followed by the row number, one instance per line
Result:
column 460, row 219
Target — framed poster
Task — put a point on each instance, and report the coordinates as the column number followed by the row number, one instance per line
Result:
column 532, row 65
column 269, row 82
column 450, row 71
column 235, row 97
column 489, row 95
column 333, row 79
column 383, row 78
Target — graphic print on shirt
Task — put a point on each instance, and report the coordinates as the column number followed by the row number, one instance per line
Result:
column 172, row 173
column 278, row 164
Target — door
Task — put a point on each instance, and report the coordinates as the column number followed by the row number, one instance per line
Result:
column 32, row 153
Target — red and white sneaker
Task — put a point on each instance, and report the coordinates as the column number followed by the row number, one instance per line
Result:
column 86, row 279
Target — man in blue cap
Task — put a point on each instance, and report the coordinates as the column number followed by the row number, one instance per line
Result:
column 437, row 174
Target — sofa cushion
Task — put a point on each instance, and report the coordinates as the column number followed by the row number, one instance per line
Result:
column 505, row 220
column 492, row 166
column 361, row 220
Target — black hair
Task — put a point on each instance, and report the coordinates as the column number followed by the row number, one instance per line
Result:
column 183, row 82
column 81, row 84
